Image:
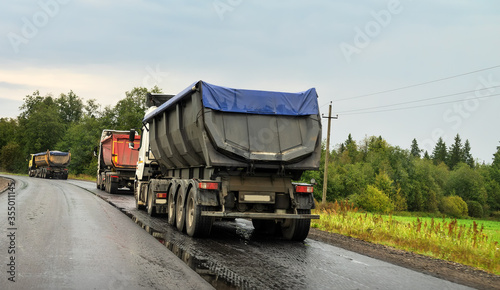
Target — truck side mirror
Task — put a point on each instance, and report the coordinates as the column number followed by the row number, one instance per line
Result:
column 131, row 138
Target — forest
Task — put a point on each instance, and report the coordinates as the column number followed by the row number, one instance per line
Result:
column 378, row 177
column 370, row 173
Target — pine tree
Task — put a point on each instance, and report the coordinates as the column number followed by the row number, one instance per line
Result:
column 342, row 148
column 352, row 148
column 496, row 159
column 456, row 153
column 495, row 166
column 415, row 151
column 426, row 155
column 439, row 153
column 466, row 155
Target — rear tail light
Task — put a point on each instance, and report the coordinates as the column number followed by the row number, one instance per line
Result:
column 161, row 195
column 208, row 185
column 304, row 189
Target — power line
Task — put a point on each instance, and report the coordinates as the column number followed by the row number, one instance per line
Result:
column 427, row 105
column 418, row 84
column 416, row 101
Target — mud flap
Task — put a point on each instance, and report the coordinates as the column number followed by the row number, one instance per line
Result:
column 304, row 200
column 207, row 198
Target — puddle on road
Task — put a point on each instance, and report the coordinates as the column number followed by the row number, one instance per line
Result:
column 217, row 275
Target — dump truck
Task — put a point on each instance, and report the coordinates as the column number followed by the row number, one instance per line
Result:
column 213, row 152
column 49, row 164
column 116, row 162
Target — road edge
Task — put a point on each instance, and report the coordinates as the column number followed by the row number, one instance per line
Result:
column 4, row 187
column 451, row 271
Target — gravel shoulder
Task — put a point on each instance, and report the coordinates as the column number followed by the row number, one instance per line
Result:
column 450, row 271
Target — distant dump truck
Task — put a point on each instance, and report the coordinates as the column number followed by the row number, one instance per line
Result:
column 215, row 152
column 49, row 164
column 116, row 161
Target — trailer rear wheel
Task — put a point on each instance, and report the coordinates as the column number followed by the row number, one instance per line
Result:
column 171, row 208
column 180, row 216
column 196, row 224
column 296, row 229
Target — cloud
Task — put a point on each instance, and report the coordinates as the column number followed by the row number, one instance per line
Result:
column 8, row 85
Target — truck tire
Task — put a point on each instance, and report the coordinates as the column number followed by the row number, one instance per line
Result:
column 196, row 224
column 137, row 194
column 180, row 216
column 139, row 206
column 171, row 207
column 296, row 230
column 102, row 182
column 106, row 184
column 151, row 208
column 113, row 188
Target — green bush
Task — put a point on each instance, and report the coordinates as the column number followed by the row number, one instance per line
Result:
column 475, row 209
column 453, row 206
column 373, row 200
column 495, row 215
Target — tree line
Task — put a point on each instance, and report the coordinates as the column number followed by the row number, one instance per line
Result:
column 379, row 177
column 370, row 173
column 66, row 123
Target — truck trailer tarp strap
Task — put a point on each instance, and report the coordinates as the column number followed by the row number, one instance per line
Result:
column 247, row 101
column 259, row 102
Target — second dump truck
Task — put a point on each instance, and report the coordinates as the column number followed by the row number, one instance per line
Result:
column 49, row 164
column 116, row 161
column 215, row 152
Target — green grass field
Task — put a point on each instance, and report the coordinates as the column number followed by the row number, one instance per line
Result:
column 469, row 242
column 491, row 228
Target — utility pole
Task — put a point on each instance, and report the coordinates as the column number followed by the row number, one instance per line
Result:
column 325, row 177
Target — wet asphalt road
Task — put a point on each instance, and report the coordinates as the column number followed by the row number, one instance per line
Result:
column 68, row 238
column 232, row 258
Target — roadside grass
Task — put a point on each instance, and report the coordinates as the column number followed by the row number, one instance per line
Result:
column 10, row 173
column 462, row 241
column 70, row 176
column 490, row 228
column 81, row 177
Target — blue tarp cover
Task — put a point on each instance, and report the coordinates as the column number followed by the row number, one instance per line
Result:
column 248, row 101
column 259, row 102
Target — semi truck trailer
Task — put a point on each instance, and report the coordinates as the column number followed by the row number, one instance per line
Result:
column 213, row 152
column 49, row 164
column 116, row 162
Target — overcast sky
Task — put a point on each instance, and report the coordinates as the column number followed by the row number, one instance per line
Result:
column 347, row 50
